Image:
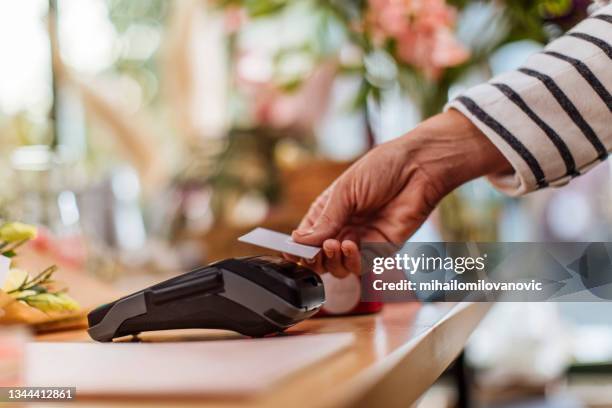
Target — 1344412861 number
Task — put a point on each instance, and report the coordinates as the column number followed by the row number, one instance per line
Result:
column 25, row 394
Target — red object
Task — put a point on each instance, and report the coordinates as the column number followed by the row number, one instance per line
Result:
column 343, row 297
column 360, row 308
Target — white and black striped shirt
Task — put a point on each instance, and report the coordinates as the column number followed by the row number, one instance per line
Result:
column 552, row 118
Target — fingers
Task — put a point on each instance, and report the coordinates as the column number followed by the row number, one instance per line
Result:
column 327, row 224
column 338, row 258
column 314, row 211
column 333, row 258
column 351, row 259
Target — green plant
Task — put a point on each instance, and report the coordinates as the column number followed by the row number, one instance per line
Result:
column 40, row 291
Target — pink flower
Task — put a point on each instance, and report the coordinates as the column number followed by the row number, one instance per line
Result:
column 390, row 18
column 422, row 30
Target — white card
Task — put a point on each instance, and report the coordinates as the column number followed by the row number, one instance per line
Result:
column 5, row 264
column 280, row 242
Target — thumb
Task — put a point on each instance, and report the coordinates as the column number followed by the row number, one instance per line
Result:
column 329, row 223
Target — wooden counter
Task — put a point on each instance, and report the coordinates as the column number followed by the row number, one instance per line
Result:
column 395, row 357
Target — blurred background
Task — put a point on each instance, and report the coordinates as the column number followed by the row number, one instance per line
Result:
column 146, row 135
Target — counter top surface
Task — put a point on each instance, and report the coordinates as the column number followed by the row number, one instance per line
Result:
column 395, row 356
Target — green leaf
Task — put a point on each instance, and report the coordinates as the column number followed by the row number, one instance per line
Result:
column 292, row 85
column 262, row 8
column 38, row 289
column 362, row 95
column 10, row 254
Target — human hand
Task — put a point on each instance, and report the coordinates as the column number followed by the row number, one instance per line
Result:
column 388, row 193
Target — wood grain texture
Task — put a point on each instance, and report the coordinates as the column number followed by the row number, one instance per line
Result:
column 395, row 357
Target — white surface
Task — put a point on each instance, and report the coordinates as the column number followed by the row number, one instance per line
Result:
column 5, row 263
column 341, row 294
column 280, row 242
column 219, row 367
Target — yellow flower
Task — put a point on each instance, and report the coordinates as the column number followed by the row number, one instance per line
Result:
column 68, row 302
column 49, row 302
column 17, row 232
column 14, row 279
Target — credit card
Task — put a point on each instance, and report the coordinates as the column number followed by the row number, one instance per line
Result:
column 280, row 242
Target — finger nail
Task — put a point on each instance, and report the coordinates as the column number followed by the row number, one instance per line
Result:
column 328, row 253
column 345, row 251
column 303, row 232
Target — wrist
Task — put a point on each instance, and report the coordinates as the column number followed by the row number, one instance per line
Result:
column 451, row 150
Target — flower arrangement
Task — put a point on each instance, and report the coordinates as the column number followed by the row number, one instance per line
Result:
column 397, row 38
column 411, row 43
column 40, row 291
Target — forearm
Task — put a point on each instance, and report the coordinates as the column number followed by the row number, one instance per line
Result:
column 551, row 118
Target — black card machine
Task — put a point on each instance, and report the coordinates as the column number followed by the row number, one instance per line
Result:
column 253, row 296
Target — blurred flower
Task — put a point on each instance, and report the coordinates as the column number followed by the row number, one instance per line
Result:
column 17, row 232
column 38, row 292
column 51, row 302
column 422, row 31
column 302, row 107
column 14, row 280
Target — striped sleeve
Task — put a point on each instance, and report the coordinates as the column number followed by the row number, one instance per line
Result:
column 552, row 118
